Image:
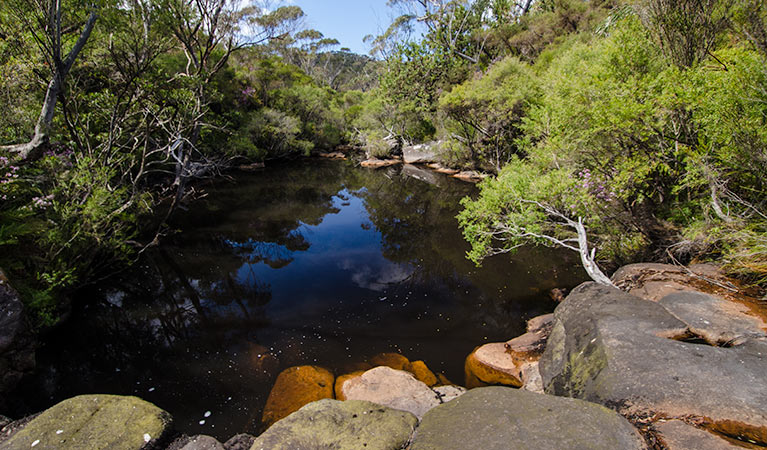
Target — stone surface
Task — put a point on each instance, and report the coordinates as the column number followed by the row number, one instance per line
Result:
column 542, row 323
column 331, row 424
column 378, row 163
column 490, row 364
column 240, row 441
column 527, row 347
column 420, row 154
column 447, row 393
column 677, row 435
column 615, row 349
column 531, row 378
column 338, row 388
column 422, row 373
column 396, row 389
column 202, row 442
column 94, row 422
column 499, row 418
column 294, row 388
column 393, row 360
column 439, row 168
column 331, row 155
column 717, row 321
column 470, row 176
column 17, row 345
column 654, row 281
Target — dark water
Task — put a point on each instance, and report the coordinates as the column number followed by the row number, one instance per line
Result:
column 308, row 263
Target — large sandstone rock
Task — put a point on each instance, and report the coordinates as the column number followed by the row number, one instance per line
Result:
column 615, row 349
column 421, row 154
column 677, row 435
column 490, row 364
column 294, row 388
column 379, row 163
column 94, row 422
column 17, row 345
column 331, row 424
column 396, row 389
column 499, row 418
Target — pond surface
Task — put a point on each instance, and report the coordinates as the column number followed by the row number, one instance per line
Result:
column 314, row 262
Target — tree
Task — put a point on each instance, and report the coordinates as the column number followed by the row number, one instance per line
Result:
column 46, row 23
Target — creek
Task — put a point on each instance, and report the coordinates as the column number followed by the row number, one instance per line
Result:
column 311, row 262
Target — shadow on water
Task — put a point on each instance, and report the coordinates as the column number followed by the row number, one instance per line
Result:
column 311, row 263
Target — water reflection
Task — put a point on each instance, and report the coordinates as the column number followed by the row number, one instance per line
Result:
column 314, row 263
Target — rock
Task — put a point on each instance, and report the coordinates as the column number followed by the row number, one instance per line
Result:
column 655, row 281
column 343, row 379
column 240, row 441
column 420, row 154
column 528, row 347
column 420, row 174
column 615, row 349
column 294, row 388
column 378, row 163
column 94, row 422
column 531, row 378
column 331, row 424
column 422, row 373
column 443, row 380
column 17, row 345
column 202, row 442
column 447, row 393
column 499, row 418
column 331, row 155
column 491, row 365
column 470, row 176
column 541, row 324
column 395, row 389
column 719, row 322
column 677, row 435
column 393, row 360
column 439, row 168
column 4, row 421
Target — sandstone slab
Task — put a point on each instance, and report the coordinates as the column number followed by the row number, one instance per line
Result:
column 677, row 435
column 395, row 389
column 490, row 364
column 332, row 424
column 294, row 388
column 378, row 163
column 615, row 349
column 94, row 422
column 499, row 418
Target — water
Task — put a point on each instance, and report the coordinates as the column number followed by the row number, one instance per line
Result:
column 317, row 262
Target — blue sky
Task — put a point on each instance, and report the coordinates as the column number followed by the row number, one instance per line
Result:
column 346, row 20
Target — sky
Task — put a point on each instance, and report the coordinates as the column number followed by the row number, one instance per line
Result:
column 347, row 20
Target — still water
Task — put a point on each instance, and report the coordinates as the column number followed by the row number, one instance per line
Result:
column 316, row 262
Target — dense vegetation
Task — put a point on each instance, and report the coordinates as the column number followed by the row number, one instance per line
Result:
column 633, row 129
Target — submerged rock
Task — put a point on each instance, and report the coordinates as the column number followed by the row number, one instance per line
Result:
column 489, row 365
column 396, row 389
column 240, row 441
column 17, row 345
column 294, row 388
column 615, row 349
column 677, row 435
column 332, row 424
column 94, row 422
column 202, row 442
column 420, row 174
column 499, row 418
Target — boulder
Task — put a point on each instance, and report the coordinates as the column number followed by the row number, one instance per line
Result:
column 499, row 418
column 612, row 348
column 654, row 281
column 294, row 388
column 378, row 163
column 677, row 435
column 531, row 378
column 393, row 360
column 490, row 364
column 94, row 422
column 395, row 389
column 422, row 373
column 338, row 388
column 447, row 393
column 528, row 347
column 240, row 441
column 202, row 442
column 541, row 324
column 331, row 424
column 421, row 154
column 17, row 345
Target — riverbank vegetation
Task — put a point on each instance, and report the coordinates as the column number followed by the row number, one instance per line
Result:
column 638, row 125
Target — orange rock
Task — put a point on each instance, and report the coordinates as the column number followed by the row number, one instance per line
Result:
column 491, row 365
column 377, row 163
column 393, row 360
column 294, row 388
column 443, row 381
column 342, row 379
column 422, row 373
